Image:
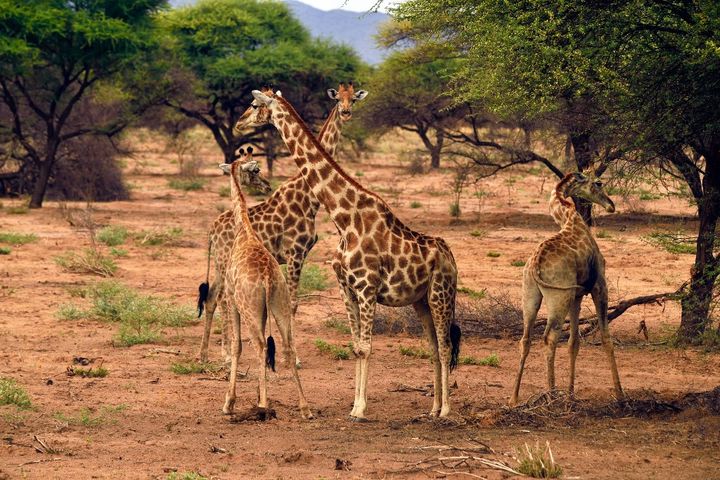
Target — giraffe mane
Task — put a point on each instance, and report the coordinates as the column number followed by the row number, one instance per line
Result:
column 561, row 186
column 293, row 113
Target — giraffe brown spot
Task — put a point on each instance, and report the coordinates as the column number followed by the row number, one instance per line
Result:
column 291, row 145
column 397, row 277
column 402, row 262
column 351, row 239
column 364, row 201
column 357, row 222
column 344, row 204
column 367, row 244
column 342, row 220
column 350, row 195
column 355, row 260
column 336, row 185
column 312, row 178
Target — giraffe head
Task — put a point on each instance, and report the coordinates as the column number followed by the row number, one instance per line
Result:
column 247, row 172
column 260, row 111
column 591, row 189
column 346, row 96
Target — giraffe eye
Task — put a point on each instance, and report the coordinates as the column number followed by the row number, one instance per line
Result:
column 598, row 184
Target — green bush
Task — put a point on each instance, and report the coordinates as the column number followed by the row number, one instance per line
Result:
column 416, row 352
column 13, row 394
column 474, row 294
column 89, row 261
column 98, row 372
column 112, row 236
column 518, row 263
column 13, row 238
column 491, row 360
column 675, row 243
column 69, row 311
column 336, row 352
column 187, row 367
column 339, row 324
column 538, row 462
column 455, row 210
column 186, row 184
column 415, row 204
column 5, row 250
column 493, row 254
column 154, row 238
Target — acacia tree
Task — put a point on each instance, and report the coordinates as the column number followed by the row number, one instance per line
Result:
column 53, row 55
column 411, row 94
column 218, row 51
column 640, row 78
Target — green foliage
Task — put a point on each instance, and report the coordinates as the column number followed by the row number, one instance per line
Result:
column 224, row 191
column 455, row 210
column 185, row 476
column 5, row 250
column 415, row 204
column 112, row 236
column 491, row 360
column 478, row 233
column 70, row 312
column 89, row 261
column 91, row 417
column 118, row 252
column 13, row 394
column 137, row 333
column 154, row 238
column 339, row 324
column 13, row 238
column 538, row 462
column 186, row 184
column 493, row 254
column 312, row 278
column 518, row 263
column 415, row 352
column 336, row 352
column 474, row 294
column 676, row 243
column 97, row 372
column 188, row 367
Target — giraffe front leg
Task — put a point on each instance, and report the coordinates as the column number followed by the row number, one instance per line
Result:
column 363, row 349
column 423, row 312
column 600, row 299
column 294, row 269
column 236, row 350
column 353, row 313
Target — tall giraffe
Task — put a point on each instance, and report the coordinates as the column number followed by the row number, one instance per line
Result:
column 258, row 289
column 562, row 270
column 378, row 260
column 285, row 222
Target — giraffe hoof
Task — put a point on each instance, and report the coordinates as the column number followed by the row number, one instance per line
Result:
column 358, row 419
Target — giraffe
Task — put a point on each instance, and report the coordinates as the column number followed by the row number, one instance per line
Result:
column 562, row 270
column 258, row 289
column 378, row 260
column 285, row 222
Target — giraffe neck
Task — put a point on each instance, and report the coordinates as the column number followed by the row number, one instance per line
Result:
column 330, row 184
column 329, row 135
column 240, row 208
column 562, row 208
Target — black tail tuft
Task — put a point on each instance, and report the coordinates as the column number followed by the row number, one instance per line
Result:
column 270, row 357
column 204, row 292
column 455, row 334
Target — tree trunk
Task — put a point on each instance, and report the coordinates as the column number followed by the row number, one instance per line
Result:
column 40, row 187
column 583, row 159
column 436, row 149
column 696, row 303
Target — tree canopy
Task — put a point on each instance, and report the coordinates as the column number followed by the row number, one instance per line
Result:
column 53, row 54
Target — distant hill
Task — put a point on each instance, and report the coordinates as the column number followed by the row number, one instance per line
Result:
column 342, row 26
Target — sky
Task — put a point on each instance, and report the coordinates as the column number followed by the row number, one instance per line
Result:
column 353, row 5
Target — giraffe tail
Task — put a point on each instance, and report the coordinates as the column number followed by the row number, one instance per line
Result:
column 270, row 353
column 204, row 289
column 536, row 276
column 455, row 335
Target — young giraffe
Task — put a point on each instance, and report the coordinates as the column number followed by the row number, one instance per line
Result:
column 285, row 222
column 258, row 289
column 379, row 259
column 562, row 270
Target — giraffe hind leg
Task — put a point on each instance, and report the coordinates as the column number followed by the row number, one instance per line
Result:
column 423, row 313
column 441, row 300
column 532, row 299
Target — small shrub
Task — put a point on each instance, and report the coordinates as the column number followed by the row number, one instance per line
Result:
column 491, row 360
column 154, row 238
column 338, row 324
column 98, row 372
column 12, row 238
column 69, row 311
column 312, row 278
column 416, row 352
column 13, row 394
column 112, row 236
column 336, row 352
column 5, row 250
column 646, row 195
column 185, row 476
column 478, row 233
column 19, row 210
column 416, row 166
column 89, row 261
column 518, row 263
column 87, row 417
column 136, row 334
column 187, row 367
column 224, row 191
column 186, row 184
column 359, row 174
column 671, row 242
column 474, row 294
column 603, row 234
column 415, row 204
column 455, row 209
column 493, row 254
column 538, row 462
column 118, row 252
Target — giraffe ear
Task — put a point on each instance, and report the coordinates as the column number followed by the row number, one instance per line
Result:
column 225, row 167
column 261, row 97
column 332, row 93
column 580, row 178
column 249, row 166
column 359, row 95
column 278, row 93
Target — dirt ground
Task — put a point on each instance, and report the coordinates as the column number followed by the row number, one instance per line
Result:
column 168, row 422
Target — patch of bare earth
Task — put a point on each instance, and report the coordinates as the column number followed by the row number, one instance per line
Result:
column 153, row 421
